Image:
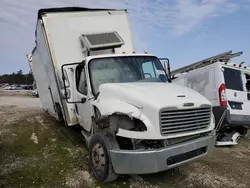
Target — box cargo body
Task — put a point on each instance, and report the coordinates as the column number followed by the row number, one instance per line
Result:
column 57, row 43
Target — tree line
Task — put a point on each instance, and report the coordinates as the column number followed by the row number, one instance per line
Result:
column 17, row 78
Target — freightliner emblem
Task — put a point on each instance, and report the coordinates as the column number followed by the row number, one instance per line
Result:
column 188, row 104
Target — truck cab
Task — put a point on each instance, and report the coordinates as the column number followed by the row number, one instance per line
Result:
column 133, row 119
column 126, row 99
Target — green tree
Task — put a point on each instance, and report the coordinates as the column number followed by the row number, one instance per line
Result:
column 17, row 78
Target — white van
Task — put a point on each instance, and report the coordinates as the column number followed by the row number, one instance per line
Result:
column 227, row 86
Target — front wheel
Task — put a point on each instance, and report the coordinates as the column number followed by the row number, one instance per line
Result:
column 99, row 147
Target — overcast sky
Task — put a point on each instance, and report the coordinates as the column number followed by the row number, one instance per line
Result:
column 183, row 30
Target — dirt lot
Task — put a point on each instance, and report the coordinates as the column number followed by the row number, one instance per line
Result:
column 36, row 151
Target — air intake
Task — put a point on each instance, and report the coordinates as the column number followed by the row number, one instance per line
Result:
column 101, row 41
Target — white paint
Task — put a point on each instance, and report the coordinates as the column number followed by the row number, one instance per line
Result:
column 63, row 31
column 66, row 28
column 34, row 138
column 144, row 101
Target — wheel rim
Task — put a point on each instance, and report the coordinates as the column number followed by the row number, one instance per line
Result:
column 98, row 160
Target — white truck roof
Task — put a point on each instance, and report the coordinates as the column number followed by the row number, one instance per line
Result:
column 64, row 26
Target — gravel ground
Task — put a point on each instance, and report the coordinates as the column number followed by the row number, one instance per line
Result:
column 36, row 151
column 21, row 101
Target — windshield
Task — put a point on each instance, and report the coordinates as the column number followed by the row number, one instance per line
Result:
column 125, row 69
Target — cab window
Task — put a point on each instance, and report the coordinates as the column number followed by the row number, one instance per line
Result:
column 149, row 70
column 81, row 81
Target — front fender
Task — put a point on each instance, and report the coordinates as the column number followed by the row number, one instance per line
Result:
column 113, row 106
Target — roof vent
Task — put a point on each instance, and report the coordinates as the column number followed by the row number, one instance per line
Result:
column 101, row 41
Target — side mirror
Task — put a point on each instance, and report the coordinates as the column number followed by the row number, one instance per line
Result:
column 165, row 64
column 65, row 78
column 167, row 68
column 66, row 95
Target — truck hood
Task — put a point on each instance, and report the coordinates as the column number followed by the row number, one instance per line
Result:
column 156, row 95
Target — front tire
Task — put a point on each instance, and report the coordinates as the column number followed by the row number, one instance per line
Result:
column 99, row 147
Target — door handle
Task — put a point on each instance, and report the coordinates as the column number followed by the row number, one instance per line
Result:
column 248, row 96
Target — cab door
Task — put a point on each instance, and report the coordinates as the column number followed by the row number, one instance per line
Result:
column 78, row 93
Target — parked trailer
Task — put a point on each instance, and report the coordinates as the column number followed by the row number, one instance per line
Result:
column 227, row 86
column 132, row 120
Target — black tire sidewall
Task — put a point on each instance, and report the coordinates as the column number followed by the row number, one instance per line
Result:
column 100, row 138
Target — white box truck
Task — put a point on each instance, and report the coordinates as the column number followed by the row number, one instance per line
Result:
column 227, row 86
column 132, row 120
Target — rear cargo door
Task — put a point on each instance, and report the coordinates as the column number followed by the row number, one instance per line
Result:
column 237, row 90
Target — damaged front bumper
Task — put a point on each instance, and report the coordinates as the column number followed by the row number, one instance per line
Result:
column 152, row 161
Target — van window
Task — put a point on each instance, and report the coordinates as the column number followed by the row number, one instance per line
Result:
column 233, row 79
column 247, row 76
